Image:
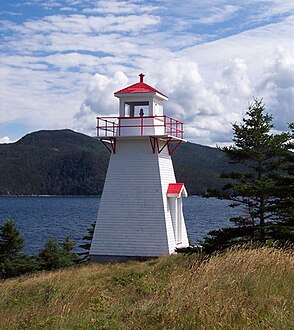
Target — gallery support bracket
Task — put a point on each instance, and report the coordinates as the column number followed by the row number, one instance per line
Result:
column 170, row 143
column 110, row 144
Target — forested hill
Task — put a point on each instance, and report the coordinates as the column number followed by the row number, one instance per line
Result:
column 64, row 162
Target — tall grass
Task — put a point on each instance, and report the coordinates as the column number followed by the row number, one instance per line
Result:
column 240, row 289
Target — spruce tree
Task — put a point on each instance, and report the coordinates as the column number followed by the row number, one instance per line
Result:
column 283, row 192
column 57, row 255
column 87, row 246
column 11, row 243
column 12, row 261
column 262, row 156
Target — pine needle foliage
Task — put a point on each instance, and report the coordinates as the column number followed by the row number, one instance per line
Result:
column 11, row 243
column 257, row 188
column 87, row 245
column 13, row 262
column 56, row 255
column 284, row 188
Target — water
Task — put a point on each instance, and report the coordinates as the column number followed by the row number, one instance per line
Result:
column 41, row 217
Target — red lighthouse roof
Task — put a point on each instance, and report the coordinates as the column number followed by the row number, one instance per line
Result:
column 139, row 87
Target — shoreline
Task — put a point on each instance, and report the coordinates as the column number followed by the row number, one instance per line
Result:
column 50, row 196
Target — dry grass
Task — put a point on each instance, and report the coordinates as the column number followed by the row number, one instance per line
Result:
column 241, row 289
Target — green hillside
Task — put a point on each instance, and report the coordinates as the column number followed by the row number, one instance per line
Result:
column 64, row 162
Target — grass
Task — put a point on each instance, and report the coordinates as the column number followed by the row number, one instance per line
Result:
column 240, row 289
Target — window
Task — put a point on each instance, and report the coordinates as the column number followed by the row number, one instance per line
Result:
column 136, row 109
column 127, row 110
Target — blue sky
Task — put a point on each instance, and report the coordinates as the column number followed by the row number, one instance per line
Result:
column 61, row 61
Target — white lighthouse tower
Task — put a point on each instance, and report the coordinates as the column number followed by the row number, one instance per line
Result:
column 140, row 213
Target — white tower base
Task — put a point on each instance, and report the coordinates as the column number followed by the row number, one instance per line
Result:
column 136, row 218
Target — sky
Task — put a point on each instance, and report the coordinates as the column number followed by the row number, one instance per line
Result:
column 62, row 60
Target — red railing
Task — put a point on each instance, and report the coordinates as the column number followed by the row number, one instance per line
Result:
column 142, row 126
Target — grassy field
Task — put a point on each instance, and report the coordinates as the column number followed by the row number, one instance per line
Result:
column 241, row 289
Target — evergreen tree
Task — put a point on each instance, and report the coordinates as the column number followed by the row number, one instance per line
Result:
column 56, row 255
column 283, row 201
column 12, row 261
column 88, row 238
column 18, row 265
column 11, row 242
column 68, row 244
column 262, row 156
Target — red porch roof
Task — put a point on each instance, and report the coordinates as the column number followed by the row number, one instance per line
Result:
column 176, row 189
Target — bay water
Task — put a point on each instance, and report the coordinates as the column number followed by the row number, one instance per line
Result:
column 41, row 217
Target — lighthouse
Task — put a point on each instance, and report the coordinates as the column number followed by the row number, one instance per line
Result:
column 140, row 213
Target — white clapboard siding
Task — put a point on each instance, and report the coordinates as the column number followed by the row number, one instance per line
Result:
column 134, row 217
column 167, row 176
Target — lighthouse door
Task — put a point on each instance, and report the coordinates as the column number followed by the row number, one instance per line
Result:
column 179, row 220
column 175, row 204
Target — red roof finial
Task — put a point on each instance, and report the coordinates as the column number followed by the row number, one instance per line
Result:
column 141, row 75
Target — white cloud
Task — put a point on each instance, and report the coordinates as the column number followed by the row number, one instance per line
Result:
column 77, row 23
column 5, row 139
column 254, row 63
column 48, row 62
column 234, row 81
column 40, row 99
column 99, row 100
column 218, row 14
column 208, row 103
column 107, row 35
column 12, row 13
column 120, row 7
column 277, row 86
column 189, row 98
column 188, row 93
column 82, row 62
column 67, row 9
column 50, row 4
column 268, row 9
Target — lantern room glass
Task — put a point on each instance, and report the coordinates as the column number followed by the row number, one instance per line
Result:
column 136, row 109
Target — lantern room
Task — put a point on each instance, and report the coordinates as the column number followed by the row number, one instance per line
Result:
column 140, row 100
column 141, row 114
